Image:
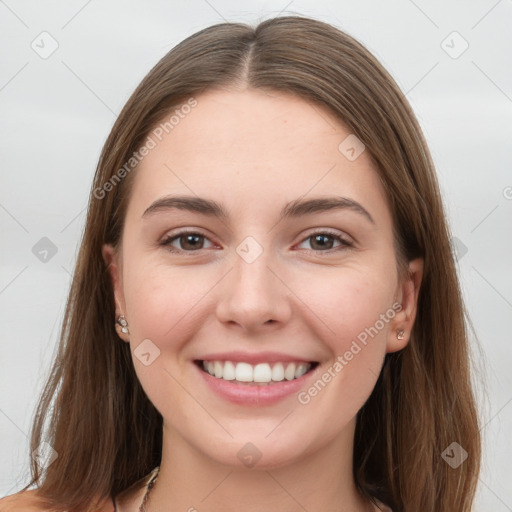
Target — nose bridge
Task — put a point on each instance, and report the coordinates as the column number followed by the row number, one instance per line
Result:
column 252, row 293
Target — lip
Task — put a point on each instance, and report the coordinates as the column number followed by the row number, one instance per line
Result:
column 253, row 394
column 254, row 358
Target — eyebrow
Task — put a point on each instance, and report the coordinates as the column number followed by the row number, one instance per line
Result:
column 295, row 208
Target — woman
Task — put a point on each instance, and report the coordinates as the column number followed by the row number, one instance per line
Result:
column 265, row 312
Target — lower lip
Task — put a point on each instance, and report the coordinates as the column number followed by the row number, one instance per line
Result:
column 254, row 394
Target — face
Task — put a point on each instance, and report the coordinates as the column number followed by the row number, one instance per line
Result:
column 274, row 286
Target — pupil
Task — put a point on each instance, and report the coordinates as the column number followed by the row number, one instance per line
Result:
column 191, row 238
column 319, row 238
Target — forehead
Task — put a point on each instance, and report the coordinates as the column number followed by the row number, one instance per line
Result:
column 253, row 146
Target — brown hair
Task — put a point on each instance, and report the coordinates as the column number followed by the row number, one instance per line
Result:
column 107, row 433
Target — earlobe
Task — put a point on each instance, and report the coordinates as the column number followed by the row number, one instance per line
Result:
column 408, row 293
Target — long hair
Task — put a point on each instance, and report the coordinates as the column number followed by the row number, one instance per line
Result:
column 105, row 431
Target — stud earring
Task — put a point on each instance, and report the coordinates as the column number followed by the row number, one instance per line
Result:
column 123, row 323
column 400, row 334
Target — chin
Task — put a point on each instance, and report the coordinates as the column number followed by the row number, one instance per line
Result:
column 262, row 452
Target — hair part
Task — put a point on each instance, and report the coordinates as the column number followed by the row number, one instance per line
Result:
column 107, row 433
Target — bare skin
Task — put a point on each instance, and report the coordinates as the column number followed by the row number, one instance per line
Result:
column 253, row 152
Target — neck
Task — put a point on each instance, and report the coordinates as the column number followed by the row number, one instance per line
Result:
column 191, row 481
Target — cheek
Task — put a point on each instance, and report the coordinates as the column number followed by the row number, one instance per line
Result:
column 162, row 300
column 355, row 310
column 350, row 301
column 163, row 307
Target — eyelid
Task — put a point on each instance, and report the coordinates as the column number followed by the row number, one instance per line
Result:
column 171, row 237
column 345, row 241
column 329, row 231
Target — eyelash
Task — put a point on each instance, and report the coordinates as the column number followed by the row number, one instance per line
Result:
column 344, row 243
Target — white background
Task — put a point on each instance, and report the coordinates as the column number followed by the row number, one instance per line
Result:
column 57, row 112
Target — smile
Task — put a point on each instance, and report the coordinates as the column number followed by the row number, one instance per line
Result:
column 259, row 374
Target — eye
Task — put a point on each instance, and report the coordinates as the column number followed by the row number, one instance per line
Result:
column 192, row 241
column 189, row 241
column 324, row 240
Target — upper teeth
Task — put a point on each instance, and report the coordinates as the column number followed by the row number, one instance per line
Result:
column 262, row 372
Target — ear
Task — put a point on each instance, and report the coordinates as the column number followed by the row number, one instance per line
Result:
column 114, row 268
column 406, row 305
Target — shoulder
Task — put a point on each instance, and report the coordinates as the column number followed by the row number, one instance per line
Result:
column 29, row 501
column 24, row 501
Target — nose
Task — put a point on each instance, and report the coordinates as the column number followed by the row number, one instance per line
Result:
column 253, row 295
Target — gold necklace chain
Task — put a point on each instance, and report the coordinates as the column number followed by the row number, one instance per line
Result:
column 152, row 481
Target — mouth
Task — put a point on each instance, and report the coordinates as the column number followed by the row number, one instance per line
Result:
column 261, row 374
